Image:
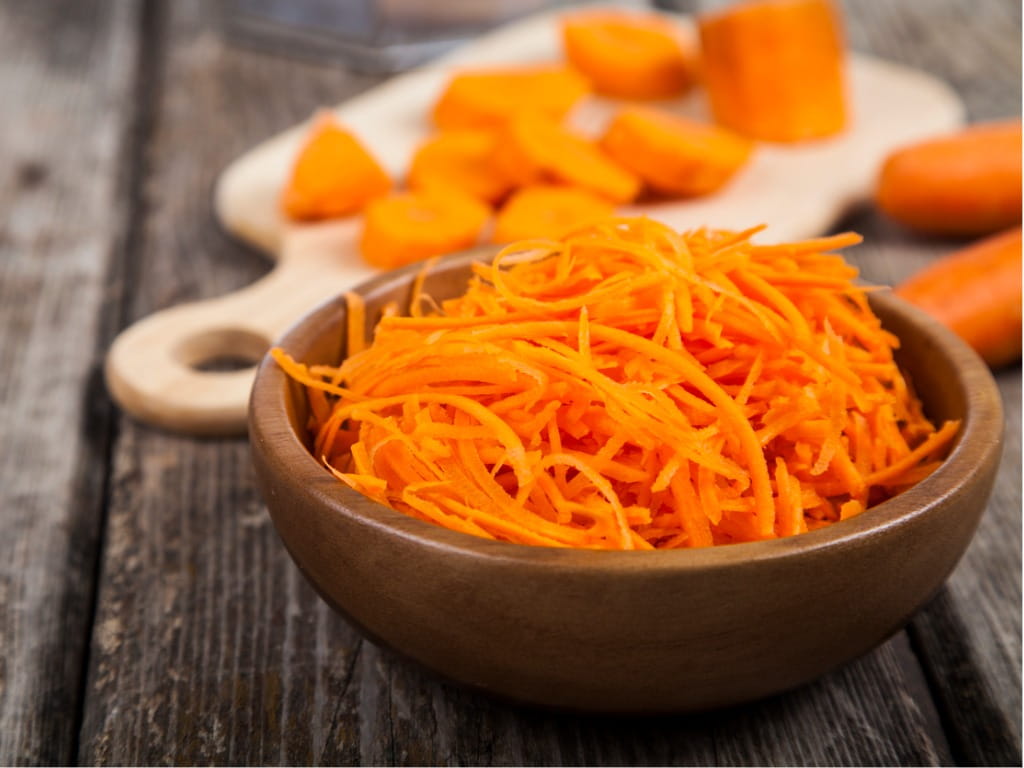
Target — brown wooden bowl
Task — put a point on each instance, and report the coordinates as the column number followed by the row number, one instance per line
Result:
column 626, row 631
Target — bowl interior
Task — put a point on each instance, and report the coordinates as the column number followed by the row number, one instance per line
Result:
column 950, row 379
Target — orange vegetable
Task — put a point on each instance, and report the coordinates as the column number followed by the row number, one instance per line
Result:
column 548, row 211
column 333, row 175
column 774, row 69
column 631, row 388
column 968, row 183
column 533, row 149
column 459, row 160
column 628, row 55
column 486, row 98
column 409, row 227
column 674, row 155
column 976, row 292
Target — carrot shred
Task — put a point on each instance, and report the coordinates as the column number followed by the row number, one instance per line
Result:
column 628, row 387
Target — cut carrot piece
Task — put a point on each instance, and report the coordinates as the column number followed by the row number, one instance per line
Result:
column 333, row 175
column 459, row 160
column 774, row 69
column 674, row 155
column 628, row 55
column 976, row 292
column 968, row 183
column 487, row 98
column 558, row 401
column 404, row 228
column 533, row 149
column 548, row 211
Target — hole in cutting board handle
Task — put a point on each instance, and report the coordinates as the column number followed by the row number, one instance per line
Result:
column 222, row 350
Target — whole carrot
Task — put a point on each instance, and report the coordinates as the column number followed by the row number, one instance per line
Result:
column 976, row 292
column 968, row 183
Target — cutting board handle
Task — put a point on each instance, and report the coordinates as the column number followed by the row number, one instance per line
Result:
column 155, row 368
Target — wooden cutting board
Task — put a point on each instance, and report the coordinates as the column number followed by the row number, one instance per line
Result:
column 798, row 190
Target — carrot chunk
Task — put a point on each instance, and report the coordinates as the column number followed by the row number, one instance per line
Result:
column 968, row 183
column 409, row 227
column 674, row 155
column 976, row 292
column 534, row 149
column 576, row 395
column 487, row 98
column 547, row 212
column 459, row 160
column 774, row 69
column 628, row 55
column 334, row 175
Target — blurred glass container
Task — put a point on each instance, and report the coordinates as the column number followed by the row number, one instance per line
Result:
column 373, row 36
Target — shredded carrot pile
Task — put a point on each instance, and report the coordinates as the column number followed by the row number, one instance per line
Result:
column 628, row 387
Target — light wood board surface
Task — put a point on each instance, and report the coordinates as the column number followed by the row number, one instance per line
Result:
column 799, row 190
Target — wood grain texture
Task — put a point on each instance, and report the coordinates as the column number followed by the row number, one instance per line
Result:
column 65, row 85
column 171, row 606
column 969, row 637
column 974, row 46
column 209, row 647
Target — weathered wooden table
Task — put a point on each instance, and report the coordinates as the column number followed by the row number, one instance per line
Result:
column 148, row 613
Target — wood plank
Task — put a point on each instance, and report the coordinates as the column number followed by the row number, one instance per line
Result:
column 190, row 606
column 208, row 645
column 67, row 70
column 969, row 637
column 974, row 46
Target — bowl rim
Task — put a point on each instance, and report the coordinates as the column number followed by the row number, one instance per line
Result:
column 979, row 437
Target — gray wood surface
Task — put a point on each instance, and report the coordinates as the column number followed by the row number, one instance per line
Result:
column 206, row 644
column 969, row 637
column 66, row 78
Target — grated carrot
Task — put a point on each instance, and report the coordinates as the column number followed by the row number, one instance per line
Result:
column 628, row 387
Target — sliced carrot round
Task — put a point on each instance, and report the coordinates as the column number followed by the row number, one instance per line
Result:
column 548, row 212
column 534, row 149
column 404, row 228
column 628, row 55
column 459, row 160
column 674, row 155
column 486, row 98
column 334, row 175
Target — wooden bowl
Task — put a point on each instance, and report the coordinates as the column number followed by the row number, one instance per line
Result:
column 625, row 631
